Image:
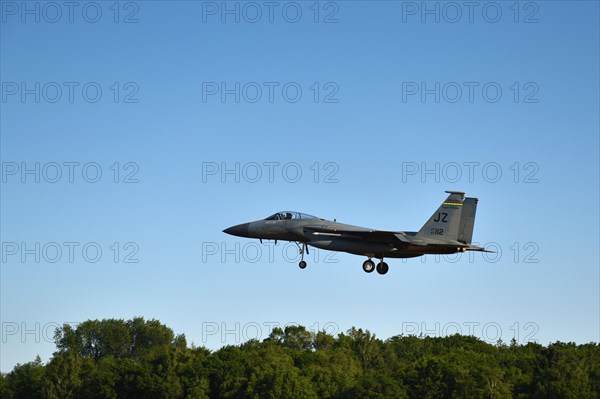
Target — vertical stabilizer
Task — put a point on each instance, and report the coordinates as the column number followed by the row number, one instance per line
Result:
column 445, row 223
column 467, row 220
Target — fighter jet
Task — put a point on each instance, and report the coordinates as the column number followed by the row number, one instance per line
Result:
column 449, row 230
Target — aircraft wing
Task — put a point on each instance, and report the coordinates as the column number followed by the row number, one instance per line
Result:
column 360, row 234
column 382, row 236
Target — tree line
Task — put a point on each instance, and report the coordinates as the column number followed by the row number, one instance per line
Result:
column 144, row 359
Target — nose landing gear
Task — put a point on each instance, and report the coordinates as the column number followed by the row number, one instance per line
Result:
column 302, row 249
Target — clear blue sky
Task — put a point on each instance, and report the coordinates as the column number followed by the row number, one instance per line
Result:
column 389, row 91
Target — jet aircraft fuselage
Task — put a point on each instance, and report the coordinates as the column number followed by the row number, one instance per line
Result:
column 449, row 230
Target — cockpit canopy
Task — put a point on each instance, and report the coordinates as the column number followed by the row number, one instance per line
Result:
column 290, row 215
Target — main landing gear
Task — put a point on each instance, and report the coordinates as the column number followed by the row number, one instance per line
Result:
column 302, row 249
column 369, row 266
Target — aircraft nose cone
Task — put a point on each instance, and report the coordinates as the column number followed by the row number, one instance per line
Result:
column 241, row 230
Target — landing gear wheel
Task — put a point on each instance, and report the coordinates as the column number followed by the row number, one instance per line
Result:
column 382, row 268
column 369, row 266
column 302, row 264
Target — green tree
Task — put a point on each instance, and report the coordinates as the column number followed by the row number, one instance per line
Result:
column 323, row 340
column 110, row 359
column 5, row 391
column 379, row 384
column 294, row 337
column 228, row 373
column 364, row 345
column 148, row 334
column 26, row 381
column 272, row 375
column 62, row 376
column 110, row 337
column 332, row 372
column 566, row 374
column 100, row 379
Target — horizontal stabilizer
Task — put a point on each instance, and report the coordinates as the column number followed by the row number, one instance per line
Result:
column 478, row 249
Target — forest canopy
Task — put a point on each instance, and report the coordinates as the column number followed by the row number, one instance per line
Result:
column 145, row 359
